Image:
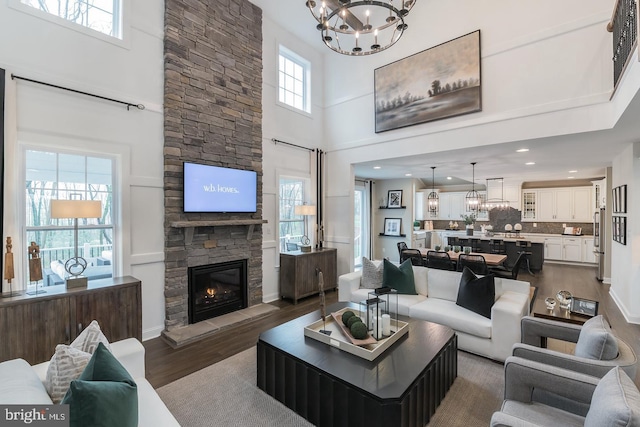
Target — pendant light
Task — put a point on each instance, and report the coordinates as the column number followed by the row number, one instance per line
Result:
column 472, row 199
column 433, row 199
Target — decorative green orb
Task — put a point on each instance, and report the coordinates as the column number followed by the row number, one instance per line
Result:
column 359, row 330
column 353, row 319
column 346, row 316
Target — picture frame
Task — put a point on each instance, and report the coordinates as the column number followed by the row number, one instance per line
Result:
column 394, row 199
column 437, row 83
column 584, row 307
column 614, row 198
column 623, row 198
column 619, row 229
column 392, row 226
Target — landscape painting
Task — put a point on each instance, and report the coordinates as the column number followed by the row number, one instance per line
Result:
column 434, row 84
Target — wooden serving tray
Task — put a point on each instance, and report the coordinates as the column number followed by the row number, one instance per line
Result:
column 337, row 317
column 338, row 338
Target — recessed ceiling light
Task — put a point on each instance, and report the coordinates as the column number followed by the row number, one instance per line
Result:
column 407, row 174
column 570, row 177
column 449, row 178
column 530, row 163
column 377, row 167
column 573, row 171
column 522, row 150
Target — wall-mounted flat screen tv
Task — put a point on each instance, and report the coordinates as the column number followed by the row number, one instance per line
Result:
column 217, row 189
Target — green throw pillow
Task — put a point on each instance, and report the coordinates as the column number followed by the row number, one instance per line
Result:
column 399, row 278
column 105, row 395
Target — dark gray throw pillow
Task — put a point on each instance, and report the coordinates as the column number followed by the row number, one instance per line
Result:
column 476, row 293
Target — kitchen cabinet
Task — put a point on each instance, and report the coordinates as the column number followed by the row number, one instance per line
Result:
column 587, row 250
column 572, row 249
column 572, row 204
column 418, row 239
column 451, row 206
column 553, row 248
column 421, row 207
column 32, row 326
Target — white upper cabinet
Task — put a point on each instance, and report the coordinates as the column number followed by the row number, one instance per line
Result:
column 571, row 204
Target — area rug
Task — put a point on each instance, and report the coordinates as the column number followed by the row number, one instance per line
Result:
column 225, row 394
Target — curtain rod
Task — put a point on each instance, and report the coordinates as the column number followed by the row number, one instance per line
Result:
column 277, row 141
column 128, row 104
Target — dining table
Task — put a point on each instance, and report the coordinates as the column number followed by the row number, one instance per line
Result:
column 490, row 259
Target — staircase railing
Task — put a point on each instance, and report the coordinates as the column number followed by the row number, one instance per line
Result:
column 624, row 26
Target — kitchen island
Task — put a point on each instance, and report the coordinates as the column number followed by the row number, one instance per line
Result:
column 511, row 248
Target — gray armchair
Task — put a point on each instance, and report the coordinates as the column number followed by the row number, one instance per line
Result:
column 592, row 346
column 578, row 399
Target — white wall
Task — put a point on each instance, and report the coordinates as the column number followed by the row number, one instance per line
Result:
column 625, row 259
column 546, row 70
column 287, row 125
column 46, row 117
column 385, row 246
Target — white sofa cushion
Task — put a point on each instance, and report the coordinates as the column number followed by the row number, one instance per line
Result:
column 449, row 314
column 421, row 279
column 443, row 284
column 19, row 384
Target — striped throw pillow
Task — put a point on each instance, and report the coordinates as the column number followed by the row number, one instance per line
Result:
column 65, row 366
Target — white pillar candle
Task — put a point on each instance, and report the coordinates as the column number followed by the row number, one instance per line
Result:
column 386, row 325
column 378, row 328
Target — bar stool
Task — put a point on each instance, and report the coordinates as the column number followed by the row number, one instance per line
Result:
column 524, row 247
column 496, row 246
column 475, row 245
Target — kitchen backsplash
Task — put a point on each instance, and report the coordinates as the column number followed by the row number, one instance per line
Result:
column 498, row 218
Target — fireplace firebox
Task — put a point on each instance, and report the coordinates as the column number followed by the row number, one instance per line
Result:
column 217, row 289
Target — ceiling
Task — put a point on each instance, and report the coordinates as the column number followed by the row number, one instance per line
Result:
column 588, row 153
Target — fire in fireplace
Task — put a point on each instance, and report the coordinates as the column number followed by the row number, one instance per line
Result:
column 217, row 289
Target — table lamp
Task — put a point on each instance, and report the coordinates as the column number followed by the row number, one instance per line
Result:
column 305, row 210
column 75, row 209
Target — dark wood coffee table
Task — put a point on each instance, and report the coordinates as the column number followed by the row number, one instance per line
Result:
column 561, row 314
column 330, row 387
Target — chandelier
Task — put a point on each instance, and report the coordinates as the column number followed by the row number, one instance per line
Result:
column 363, row 27
column 495, row 203
column 432, row 199
column 472, row 199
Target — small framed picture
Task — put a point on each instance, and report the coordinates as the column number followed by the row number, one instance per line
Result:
column 394, row 199
column 623, row 198
column 584, row 307
column 392, row 226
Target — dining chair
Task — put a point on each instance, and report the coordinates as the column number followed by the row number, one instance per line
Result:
column 524, row 247
column 439, row 260
column 506, row 272
column 401, row 247
column 414, row 255
column 475, row 263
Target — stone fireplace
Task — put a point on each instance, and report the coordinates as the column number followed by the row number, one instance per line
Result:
column 212, row 115
column 217, row 289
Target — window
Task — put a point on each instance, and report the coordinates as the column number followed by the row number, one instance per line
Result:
column 293, row 80
column 291, row 226
column 101, row 15
column 361, row 223
column 50, row 175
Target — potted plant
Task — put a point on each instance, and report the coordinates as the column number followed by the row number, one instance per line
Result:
column 469, row 221
column 416, row 225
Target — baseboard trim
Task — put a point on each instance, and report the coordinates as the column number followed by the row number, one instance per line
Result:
column 628, row 317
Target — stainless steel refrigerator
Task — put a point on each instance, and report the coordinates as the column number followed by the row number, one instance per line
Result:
column 598, row 241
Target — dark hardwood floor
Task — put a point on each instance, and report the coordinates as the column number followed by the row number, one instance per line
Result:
column 165, row 364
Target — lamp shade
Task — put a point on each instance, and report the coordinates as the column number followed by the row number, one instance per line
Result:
column 307, row 210
column 76, row 209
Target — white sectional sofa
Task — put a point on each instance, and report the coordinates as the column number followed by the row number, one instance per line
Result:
column 21, row 383
column 436, row 302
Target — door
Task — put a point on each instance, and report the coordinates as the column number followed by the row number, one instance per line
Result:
column 572, row 249
column 553, row 248
column 582, row 204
